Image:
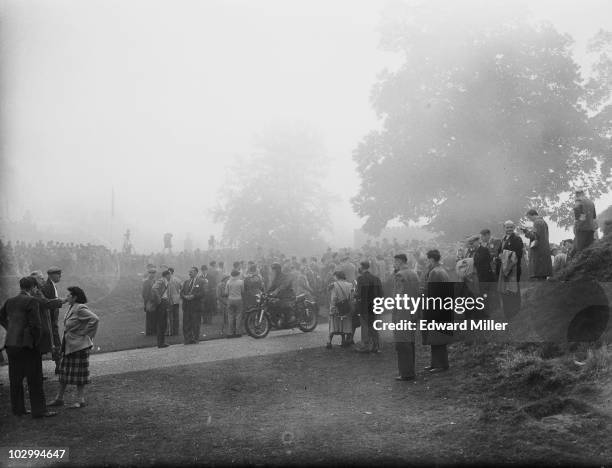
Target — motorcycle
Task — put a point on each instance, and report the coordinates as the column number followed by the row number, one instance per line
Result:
column 263, row 316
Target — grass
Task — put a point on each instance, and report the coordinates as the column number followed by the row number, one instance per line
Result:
column 319, row 407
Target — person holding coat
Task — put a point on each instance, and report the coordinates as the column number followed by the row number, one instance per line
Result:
column 47, row 341
column 49, row 290
column 80, row 327
column 405, row 281
column 540, row 260
column 510, row 255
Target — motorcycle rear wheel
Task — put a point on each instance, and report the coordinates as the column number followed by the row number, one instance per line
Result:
column 255, row 328
column 310, row 320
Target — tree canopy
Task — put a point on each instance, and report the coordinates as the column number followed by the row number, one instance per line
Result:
column 274, row 197
column 484, row 119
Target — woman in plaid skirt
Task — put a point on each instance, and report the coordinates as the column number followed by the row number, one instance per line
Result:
column 80, row 326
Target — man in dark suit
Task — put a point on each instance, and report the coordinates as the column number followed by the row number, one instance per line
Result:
column 368, row 288
column 584, row 224
column 147, row 296
column 47, row 342
column 405, row 281
column 20, row 316
column 192, row 293
column 49, row 290
column 483, row 264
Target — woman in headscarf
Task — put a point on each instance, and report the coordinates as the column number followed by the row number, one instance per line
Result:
column 340, row 318
column 80, row 327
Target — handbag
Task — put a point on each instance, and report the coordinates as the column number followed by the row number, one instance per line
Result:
column 344, row 306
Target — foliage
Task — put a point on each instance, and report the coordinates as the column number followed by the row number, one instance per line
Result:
column 274, row 198
column 485, row 118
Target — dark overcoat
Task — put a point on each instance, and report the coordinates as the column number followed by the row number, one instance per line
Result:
column 540, row 261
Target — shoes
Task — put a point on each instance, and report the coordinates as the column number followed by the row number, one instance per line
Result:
column 56, row 402
column 375, row 351
column 328, row 346
column 362, row 350
column 427, row 368
column 46, row 414
column 437, row 370
column 163, row 345
column 78, row 405
column 404, row 379
column 25, row 412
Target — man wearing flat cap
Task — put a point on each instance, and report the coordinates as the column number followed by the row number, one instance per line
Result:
column 584, row 221
column 367, row 289
column 49, row 290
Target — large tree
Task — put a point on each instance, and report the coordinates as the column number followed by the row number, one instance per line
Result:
column 485, row 118
column 274, row 198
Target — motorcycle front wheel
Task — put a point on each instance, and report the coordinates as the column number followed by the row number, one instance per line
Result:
column 257, row 324
column 309, row 319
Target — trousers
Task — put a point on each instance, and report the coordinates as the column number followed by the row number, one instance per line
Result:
column 234, row 316
column 26, row 363
column 174, row 319
column 192, row 317
column 406, row 359
column 161, row 319
column 583, row 240
column 439, row 356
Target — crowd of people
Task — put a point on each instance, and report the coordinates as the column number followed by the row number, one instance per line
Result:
column 19, row 259
column 344, row 283
column 352, row 278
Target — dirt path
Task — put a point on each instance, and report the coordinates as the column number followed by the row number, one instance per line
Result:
column 206, row 351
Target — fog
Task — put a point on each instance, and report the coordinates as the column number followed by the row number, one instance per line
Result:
column 127, row 114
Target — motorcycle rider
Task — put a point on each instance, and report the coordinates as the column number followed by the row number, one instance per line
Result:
column 281, row 288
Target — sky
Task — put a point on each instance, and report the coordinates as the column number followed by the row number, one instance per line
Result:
column 153, row 99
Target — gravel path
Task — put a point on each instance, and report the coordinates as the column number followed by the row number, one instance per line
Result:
column 206, row 351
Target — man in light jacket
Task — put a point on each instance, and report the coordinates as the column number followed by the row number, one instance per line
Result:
column 174, row 297
column 160, row 295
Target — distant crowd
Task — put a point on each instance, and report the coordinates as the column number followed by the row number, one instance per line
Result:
column 346, row 283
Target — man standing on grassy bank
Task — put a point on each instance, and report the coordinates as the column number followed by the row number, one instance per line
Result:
column 584, row 221
column 406, row 282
